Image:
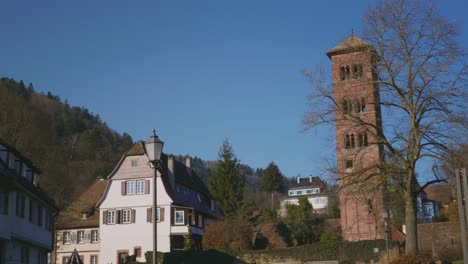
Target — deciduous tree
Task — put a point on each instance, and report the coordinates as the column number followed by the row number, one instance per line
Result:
column 421, row 73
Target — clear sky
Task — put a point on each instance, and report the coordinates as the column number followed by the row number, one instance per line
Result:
column 196, row 71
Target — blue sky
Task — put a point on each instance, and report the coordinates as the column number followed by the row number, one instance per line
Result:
column 196, row 71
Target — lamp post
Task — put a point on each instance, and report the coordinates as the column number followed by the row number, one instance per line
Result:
column 387, row 231
column 154, row 148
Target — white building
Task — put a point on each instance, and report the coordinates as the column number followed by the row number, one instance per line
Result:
column 183, row 205
column 26, row 213
column 310, row 187
column 77, row 227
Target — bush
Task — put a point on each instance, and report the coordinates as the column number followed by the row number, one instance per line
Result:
column 328, row 235
column 450, row 253
column 235, row 233
column 410, row 259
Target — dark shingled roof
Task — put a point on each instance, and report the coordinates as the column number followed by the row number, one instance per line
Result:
column 71, row 217
column 439, row 193
column 351, row 43
column 183, row 176
column 309, row 182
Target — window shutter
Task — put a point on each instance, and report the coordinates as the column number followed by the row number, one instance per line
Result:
column 161, row 214
column 148, row 214
column 133, row 215
column 147, row 186
column 123, row 189
column 104, row 217
column 119, row 216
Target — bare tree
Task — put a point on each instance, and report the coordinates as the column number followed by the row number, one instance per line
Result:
column 421, row 74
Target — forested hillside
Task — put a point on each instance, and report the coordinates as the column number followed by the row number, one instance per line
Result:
column 72, row 146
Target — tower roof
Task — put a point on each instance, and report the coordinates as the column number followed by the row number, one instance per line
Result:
column 351, row 43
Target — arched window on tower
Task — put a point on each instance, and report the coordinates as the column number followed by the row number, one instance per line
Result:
column 347, row 73
column 358, row 106
column 352, row 141
column 347, row 142
column 363, row 105
column 345, row 106
column 366, row 143
column 350, row 106
column 362, row 140
column 357, row 71
column 342, row 73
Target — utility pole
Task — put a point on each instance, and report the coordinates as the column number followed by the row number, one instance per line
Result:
column 462, row 197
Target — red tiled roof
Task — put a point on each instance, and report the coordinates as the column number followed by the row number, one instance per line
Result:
column 439, row 193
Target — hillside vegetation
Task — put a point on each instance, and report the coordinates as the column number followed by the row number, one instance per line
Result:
column 72, row 146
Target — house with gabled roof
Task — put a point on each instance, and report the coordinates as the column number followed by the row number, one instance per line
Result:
column 77, row 227
column 184, row 206
column 313, row 188
column 26, row 211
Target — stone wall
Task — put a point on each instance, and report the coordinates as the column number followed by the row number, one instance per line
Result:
column 438, row 237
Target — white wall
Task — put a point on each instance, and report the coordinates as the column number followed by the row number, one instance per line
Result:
column 139, row 234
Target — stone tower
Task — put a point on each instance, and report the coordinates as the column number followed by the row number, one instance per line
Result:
column 358, row 121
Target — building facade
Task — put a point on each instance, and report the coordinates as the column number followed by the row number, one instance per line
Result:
column 313, row 188
column 184, row 206
column 77, row 228
column 26, row 212
column 358, row 124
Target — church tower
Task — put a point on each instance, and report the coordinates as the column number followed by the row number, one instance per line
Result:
column 358, row 123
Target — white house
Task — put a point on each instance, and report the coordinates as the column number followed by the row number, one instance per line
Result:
column 26, row 213
column 183, row 205
column 310, row 187
column 77, row 227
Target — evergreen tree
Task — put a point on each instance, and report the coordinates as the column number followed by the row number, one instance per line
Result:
column 226, row 183
column 272, row 180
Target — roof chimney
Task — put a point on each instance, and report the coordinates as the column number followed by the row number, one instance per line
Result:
column 188, row 162
column 298, row 179
column 310, row 179
column 171, row 172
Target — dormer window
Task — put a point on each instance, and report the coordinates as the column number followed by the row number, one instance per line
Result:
column 3, row 153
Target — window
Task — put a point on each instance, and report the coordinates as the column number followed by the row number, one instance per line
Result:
column 199, row 197
column 39, row 215
column 291, row 193
column 66, row 237
column 179, row 217
column 352, row 141
column 140, row 187
column 135, row 163
column 130, row 187
column 345, row 107
column 342, row 73
column 93, row 259
column 362, row 140
column 3, row 154
column 94, row 236
column 349, row 164
column 357, row 71
column 24, row 255
column 80, row 238
column 20, row 204
column 4, row 202
column 65, row 260
column 110, row 217
column 347, row 72
column 363, row 105
column 137, row 251
column 298, row 192
column 126, row 219
column 347, row 142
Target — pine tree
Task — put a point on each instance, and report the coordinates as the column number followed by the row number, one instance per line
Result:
column 226, row 183
column 272, row 180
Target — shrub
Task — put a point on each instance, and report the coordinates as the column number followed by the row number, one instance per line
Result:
column 328, row 235
column 235, row 233
column 410, row 259
column 213, row 237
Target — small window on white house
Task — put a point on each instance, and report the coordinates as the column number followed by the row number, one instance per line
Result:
column 126, row 219
column 140, row 188
column 130, row 187
column 179, row 217
column 80, row 237
column 110, row 217
column 66, row 237
column 94, row 236
column 135, row 163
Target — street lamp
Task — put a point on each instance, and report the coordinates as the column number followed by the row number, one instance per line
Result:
column 385, row 216
column 154, row 148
